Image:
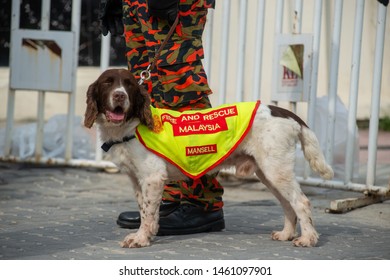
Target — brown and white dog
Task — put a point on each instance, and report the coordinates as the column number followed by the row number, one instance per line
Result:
column 118, row 105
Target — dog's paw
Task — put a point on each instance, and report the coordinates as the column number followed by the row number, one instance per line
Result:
column 135, row 240
column 306, row 241
column 282, row 235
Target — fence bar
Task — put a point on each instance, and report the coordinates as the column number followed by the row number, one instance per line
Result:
column 354, row 90
column 339, row 185
column 257, row 73
column 241, row 51
column 40, row 125
column 10, row 122
column 279, row 17
column 76, row 12
column 62, row 162
column 104, row 64
column 45, row 20
column 11, row 93
column 105, row 52
column 69, row 126
column 328, row 33
column 224, row 51
column 209, row 42
column 314, row 72
column 334, row 70
column 316, row 55
column 376, row 91
column 296, row 29
column 279, row 23
column 297, row 22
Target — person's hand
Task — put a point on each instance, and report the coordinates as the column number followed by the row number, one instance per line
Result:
column 166, row 9
column 110, row 17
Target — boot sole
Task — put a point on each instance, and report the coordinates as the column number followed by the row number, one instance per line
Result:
column 217, row 225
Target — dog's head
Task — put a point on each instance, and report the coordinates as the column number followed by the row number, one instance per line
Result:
column 115, row 97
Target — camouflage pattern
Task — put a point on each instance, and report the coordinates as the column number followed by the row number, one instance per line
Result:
column 179, row 78
column 178, row 81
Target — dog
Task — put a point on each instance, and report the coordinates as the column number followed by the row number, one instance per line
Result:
column 118, row 104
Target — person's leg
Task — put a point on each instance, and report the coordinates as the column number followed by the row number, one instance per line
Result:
column 178, row 83
column 138, row 60
column 205, row 192
column 200, row 209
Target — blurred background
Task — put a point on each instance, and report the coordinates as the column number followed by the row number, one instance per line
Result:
column 60, row 16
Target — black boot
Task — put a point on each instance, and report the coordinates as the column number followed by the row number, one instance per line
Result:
column 189, row 219
column 132, row 219
column 182, row 219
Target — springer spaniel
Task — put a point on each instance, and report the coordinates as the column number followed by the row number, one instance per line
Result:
column 118, row 105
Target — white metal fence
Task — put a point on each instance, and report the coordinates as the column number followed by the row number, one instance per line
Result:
column 290, row 21
column 238, row 50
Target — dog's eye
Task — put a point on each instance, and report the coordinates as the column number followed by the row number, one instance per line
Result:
column 108, row 81
column 127, row 82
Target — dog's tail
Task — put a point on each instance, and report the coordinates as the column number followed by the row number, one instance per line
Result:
column 313, row 154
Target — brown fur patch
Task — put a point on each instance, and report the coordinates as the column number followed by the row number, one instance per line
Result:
column 283, row 113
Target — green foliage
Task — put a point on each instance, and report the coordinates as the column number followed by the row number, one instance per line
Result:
column 384, row 124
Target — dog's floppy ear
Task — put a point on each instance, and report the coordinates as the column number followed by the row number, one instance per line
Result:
column 91, row 111
column 143, row 111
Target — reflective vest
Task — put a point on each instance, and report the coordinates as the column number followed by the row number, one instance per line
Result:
column 196, row 141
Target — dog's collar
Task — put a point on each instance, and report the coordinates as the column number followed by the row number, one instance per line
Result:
column 107, row 145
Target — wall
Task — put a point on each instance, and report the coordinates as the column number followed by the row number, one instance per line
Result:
column 368, row 48
column 57, row 103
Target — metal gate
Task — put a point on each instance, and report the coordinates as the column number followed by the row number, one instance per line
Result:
column 251, row 76
column 233, row 77
column 43, row 60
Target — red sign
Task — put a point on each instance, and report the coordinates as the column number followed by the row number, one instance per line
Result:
column 198, row 123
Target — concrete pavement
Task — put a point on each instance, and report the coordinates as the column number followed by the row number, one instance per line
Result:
column 69, row 213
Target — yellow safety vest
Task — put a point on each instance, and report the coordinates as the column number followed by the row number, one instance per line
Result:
column 197, row 141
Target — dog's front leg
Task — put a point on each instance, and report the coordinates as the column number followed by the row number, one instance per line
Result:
column 152, row 189
column 137, row 190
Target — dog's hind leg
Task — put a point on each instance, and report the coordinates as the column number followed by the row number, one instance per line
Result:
column 302, row 207
column 275, row 157
column 290, row 219
column 283, row 185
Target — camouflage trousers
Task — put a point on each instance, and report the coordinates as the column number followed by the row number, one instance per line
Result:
column 178, row 81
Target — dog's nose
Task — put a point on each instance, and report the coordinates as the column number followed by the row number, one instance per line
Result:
column 119, row 96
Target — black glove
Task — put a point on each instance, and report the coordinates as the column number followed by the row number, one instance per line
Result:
column 384, row 2
column 110, row 17
column 166, row 9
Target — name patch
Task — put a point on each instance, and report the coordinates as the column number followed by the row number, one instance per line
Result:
column 201, row 150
